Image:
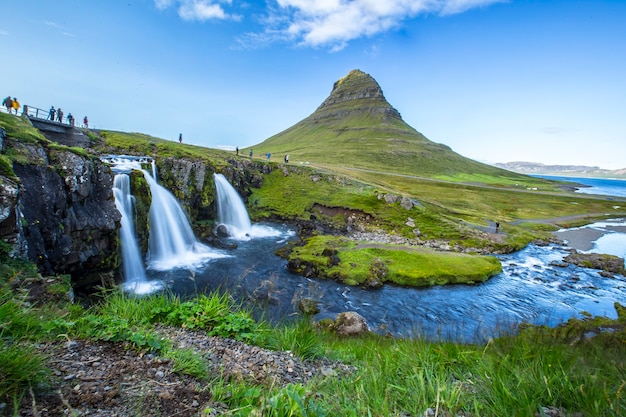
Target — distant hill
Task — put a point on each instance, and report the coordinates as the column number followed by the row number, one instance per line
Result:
column 561, row 170
column 356, row 127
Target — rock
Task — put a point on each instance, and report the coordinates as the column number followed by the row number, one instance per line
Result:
column 608, row 263
column 350, row 323
column 406, row 203
column 68, row 212
column 222, row 231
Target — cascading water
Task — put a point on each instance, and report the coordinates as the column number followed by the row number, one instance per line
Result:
column 231, row 211
column 132, row 263
column 172, row 243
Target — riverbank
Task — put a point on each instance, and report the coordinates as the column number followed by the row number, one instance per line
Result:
column 584, row 238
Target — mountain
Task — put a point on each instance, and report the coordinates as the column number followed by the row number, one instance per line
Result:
column 561, row 170
column 356, row 127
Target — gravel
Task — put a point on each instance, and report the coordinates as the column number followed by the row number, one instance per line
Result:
column 111, row 379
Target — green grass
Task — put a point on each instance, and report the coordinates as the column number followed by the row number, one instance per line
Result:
column 359, row 264
column 142, row 144
column 514, row 375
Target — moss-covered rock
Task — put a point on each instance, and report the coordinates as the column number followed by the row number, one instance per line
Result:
column 604, row 262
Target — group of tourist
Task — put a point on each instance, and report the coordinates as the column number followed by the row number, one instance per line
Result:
column 11, row 104
column 57, row 114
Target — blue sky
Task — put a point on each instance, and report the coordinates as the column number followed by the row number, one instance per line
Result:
column 497, row 81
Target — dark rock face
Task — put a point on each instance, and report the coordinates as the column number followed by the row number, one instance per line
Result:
column 10, row 224
column 356, row 87
column 68, row 214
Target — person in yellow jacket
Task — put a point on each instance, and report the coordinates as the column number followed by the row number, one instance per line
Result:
column 16, row 105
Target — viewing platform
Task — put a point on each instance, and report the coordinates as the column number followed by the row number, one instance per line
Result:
column 54, row 130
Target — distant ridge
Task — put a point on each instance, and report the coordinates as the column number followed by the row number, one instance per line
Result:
column 561, row 170
column 356, row 127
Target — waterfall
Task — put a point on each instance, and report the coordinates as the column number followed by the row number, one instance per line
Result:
column 131, row 257
column 172, row 243
column 132, row 263
column 231, row 211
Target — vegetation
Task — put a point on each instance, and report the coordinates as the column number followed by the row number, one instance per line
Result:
column 362, row 264
column 578, row 367
column 142, row 144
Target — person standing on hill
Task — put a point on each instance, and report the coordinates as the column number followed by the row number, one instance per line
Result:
column 86, row 122
column 8, row 103
column 16, row 105
column 60, row 115
column 51, row 113
column 180, row 138
column 286, row 159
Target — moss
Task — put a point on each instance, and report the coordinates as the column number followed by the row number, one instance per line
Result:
column 6, row 167
column 363, row 264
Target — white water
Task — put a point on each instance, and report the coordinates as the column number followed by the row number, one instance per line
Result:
column 172, row 243
column 131, row 258
column 132, row 263
column 231, row 212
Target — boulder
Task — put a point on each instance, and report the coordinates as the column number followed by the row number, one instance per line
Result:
column 350, row 323
column 608, row 263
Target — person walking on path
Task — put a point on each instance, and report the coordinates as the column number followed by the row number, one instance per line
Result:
column 86, row 122
column 250, row 153
column 51, row 113
column 60, row 115
column 16, row 105
column 8, row 103
column 180, row 138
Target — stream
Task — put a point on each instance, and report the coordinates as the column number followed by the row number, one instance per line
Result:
column 531, row 289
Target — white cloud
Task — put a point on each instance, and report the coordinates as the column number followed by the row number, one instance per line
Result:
column 198, row 9
column 334, row 23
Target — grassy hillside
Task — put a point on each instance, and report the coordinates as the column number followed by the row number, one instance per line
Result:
column 357, row 127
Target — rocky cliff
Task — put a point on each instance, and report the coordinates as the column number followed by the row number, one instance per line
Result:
column 59, row 211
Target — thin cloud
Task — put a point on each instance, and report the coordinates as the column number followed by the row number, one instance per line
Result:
column 52, row 24
column 334, row 23
column 59, row 28
column 201, row 10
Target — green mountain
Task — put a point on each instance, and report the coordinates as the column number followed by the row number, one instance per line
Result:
column 356, row 127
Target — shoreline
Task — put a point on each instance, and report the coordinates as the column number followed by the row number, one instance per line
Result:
column 584, row 238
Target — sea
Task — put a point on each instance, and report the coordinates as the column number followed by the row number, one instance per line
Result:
column 601, row 186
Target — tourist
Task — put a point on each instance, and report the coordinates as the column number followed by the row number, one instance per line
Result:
column 16, row 105
column 250, row 153
column 70, row 119
column 237, row 150
column 86, row 122
column 60, row 115
column 286, row 158
column 180, row 138
column 8, row 103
